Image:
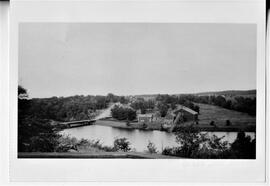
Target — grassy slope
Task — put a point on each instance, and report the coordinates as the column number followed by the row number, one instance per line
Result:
column 219, row 115
column 227, row 93
column 244, row 93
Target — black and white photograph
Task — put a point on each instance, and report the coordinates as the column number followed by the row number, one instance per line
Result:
column 137, row 90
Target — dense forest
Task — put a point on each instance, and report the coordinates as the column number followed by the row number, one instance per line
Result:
column 34, row 133
column 143, row 105
column 70, row 108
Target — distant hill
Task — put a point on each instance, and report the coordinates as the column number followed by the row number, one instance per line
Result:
column 233, row 93
column 227, row 93
column 147, row 96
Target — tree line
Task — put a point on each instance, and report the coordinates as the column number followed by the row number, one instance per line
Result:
column 143, row 105
column 83, row 107
column 71, row 108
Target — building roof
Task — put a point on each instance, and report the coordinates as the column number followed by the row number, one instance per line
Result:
column 181, row 107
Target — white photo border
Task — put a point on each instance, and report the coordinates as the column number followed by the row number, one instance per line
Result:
column 184, row 170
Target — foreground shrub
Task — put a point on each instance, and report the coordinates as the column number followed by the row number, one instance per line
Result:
column 244, row 147
column 121, row 144
column 67, row 143
column 189, row 140
column 167, row 151
column 228, row 123
column 128, row 123
column 193, row 144
column 151, row 148
column 36, row 135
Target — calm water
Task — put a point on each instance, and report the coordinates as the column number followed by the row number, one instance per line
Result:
column 138, row 138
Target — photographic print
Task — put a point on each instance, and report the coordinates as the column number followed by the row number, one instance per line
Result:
column 137, row 90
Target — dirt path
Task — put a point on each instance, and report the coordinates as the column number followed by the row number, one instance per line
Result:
column 106, row 112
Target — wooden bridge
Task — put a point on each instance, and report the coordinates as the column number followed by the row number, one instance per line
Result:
column 71, row 124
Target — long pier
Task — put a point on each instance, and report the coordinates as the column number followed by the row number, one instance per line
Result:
column 71, row 124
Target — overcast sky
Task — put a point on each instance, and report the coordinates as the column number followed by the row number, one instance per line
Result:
column 64, row 59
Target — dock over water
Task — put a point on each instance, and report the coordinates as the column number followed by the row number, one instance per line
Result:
column 71, row 124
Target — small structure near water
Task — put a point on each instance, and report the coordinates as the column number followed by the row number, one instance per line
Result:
column 145, row 118
column 71, row 124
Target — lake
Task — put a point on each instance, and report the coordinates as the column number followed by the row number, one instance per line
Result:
column 139, row 139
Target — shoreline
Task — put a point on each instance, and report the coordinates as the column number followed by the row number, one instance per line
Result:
column 135, row 125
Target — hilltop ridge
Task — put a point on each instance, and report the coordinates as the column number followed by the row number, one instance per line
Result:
column 233, row 93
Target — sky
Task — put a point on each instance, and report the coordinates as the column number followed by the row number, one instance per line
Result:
column 65, row 59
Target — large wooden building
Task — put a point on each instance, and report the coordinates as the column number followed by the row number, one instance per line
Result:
column 177, row 116
column 184, row 114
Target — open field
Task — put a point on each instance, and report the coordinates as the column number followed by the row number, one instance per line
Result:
column 239, row 121
column 227, row 94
